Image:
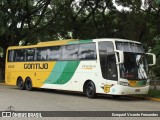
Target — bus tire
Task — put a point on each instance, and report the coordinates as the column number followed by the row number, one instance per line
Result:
column 20, row 83
column 116, row 96
column 28, row 84
column 90, row 90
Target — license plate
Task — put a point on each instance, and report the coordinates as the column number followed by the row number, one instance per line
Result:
column 137, row 90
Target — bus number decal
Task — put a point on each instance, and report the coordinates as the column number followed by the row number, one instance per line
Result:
column 10, row 66
column 107, row 88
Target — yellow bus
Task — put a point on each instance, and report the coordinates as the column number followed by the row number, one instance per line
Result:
column 105, row 66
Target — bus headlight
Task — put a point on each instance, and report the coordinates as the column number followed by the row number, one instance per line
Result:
column 123, row 83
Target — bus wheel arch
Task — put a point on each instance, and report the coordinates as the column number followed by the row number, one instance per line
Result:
column 28, row 84
column 20, row 83
column 89, row 89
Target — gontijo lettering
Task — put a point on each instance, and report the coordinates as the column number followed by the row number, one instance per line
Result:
column 36, row 66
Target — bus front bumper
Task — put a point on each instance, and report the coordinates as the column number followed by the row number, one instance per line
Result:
column 124, row 90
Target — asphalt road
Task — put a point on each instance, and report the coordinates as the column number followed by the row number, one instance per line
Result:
column 53, row 100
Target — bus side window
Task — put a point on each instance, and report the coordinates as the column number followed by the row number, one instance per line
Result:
column 87, row 51
column 19, row 55
column 41, row 54
column 54, row 53
column 30, row 53
column 69, row 52
column 11, row 55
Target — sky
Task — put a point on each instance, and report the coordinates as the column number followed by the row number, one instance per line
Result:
column 120, row 7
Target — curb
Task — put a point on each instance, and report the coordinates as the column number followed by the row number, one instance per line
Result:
column 147, row 98
column 153, row 99
column 2, row 83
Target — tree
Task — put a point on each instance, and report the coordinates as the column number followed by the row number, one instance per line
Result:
column 22, row 20
column 32, row 21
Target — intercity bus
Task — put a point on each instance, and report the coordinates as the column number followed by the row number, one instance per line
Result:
column 94, row 66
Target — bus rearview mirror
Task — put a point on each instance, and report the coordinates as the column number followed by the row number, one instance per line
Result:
column 153, row 58
column 120, row 56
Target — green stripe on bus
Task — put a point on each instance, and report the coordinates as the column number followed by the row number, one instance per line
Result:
column 141, row 83
column 68, row 72
column 80, row 41
column 55, row 73
column 62, row 72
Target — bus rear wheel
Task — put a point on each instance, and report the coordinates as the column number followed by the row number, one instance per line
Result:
column 90, row 90
column 20, row 84
column 28, row 84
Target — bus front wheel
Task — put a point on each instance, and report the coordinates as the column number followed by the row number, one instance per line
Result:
column 90, row 90
column 20, row 84
column 28, row 84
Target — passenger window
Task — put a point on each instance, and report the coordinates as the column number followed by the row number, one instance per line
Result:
column 69, row 52
column 54, row 53
column 87, row 51
column 19, row 55
column 42, row 54
column 11, row 55
column 30, row 54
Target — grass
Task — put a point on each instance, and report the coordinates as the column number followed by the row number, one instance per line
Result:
column 153, row 93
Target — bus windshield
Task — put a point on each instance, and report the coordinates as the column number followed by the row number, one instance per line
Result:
column 135, row 64
column 129, row 47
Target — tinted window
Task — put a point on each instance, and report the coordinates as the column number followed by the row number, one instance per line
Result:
column 19, row 55
column 30, row 54
column 11, row 55
column 129, row 47
column 42, row 54
column 54, row 53
column 105, row 47
column 69, row 52
column 87, row 51
column 107, row 60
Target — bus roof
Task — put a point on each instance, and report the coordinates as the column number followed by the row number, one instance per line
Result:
column 116, row 40
column 71, row 41
column 56, row 42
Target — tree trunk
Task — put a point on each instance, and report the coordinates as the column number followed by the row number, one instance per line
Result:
column 1, row 75
column 2, row 70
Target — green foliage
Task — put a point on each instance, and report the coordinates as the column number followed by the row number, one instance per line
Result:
column 154, row 93
column 31, row 21
column 156, row 50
